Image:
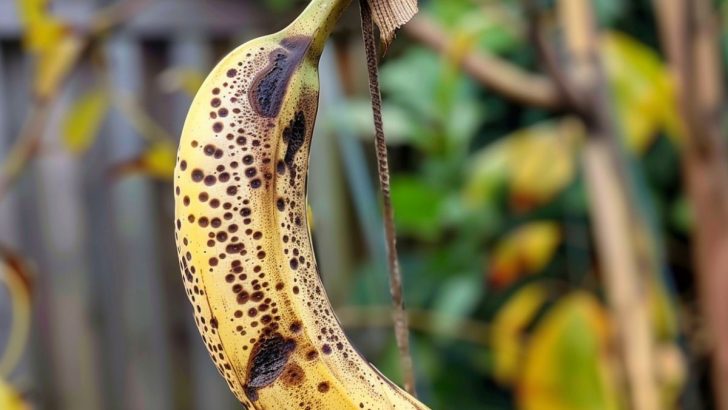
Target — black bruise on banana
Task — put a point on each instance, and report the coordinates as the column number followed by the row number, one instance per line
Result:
column 267, row 361
column 270, row 86
column 294, row 135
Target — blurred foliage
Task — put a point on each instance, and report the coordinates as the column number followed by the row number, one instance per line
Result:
column 490, row 196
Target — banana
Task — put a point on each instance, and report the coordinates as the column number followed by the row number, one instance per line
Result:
column 242, row 234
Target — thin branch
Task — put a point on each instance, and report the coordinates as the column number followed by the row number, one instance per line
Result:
column 494, row 73
column 550, row 61
column 25, row 146
column 395, row 278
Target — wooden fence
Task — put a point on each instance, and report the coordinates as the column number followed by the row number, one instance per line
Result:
column 111, row 325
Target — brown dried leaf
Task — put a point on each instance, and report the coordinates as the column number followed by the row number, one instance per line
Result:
column 389, row 15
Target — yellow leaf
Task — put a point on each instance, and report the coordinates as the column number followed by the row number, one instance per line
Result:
column 526, row 250
column 10, row 399
column 54, row 64
column 159, row 160
column 42, row 29
column 187, row 80
column 508, row 330
column 643, row 89
column 537, row 162
column 83, row 120
column 567, row 364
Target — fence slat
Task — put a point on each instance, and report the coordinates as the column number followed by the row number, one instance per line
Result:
column 147, row 375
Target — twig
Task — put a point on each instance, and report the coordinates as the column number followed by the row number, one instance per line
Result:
column 499, row 75
column 549, row 59
column 395, row 278
column 25, row 146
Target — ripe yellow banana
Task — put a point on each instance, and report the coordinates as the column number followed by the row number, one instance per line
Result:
column 242, row 233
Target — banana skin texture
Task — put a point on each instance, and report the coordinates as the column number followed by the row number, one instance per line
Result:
column 242, row 236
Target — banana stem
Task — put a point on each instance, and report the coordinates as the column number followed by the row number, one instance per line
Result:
column 318, row 20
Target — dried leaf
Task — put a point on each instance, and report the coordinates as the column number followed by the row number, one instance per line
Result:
column 524, row 251
column 389, row 15
column 83, row 120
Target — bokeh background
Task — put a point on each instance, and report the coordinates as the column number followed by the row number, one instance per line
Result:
column 560, row 185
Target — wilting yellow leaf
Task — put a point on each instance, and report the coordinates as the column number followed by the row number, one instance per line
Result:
column 83, row 120
column 508, row 331
column 644, row 92
column 159, row 160
column 42, row 29
column 567, row 364
column 52, row 43
column 10, row 399
column 187, row 80
column 526, row 250
column 536, row 162
column 53, row 65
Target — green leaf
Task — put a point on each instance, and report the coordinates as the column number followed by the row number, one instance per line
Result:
column 457, row 298
column 355, row 116
column 681, row 215
column 417, row 207
column 83, row 120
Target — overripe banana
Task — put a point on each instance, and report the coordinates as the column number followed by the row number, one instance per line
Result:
column 242, row 235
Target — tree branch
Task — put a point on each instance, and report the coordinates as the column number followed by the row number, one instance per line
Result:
column 502, row 77
column 616, row 216
column 689, row 34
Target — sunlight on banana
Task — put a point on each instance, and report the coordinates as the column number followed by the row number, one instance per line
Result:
column 242, row 230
